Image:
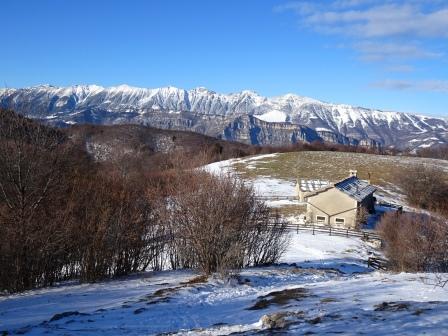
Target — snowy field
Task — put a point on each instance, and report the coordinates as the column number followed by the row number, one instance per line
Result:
column 276, row 174
column 321, row 286
column 264, row 184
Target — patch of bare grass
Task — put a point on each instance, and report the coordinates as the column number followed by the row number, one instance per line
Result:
column 292, row 210
column 280, row 298
column 333, row 166
column 196, row 280
column 328, row 300
column 164, row 294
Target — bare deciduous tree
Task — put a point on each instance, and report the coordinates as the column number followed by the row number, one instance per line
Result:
column 32, row 162
column 221, row 225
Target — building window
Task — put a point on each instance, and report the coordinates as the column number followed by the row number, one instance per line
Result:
column 320, row 219
column 339, row 220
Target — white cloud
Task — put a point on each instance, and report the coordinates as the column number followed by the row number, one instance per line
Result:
column 385, row 25
column 426, row 85
column 387, row 51
column 367, row 19
column 400, row 68
column 381, row 21
column 394, row 33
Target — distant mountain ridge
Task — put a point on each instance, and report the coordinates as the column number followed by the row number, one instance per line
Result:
column 244, row 116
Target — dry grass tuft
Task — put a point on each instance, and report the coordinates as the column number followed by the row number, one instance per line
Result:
column 280, row 298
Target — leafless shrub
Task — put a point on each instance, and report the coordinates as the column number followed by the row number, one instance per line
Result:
column 415, row 242
column 220, row 225
column 268, row 240
column 114, row 227
column 426, row 187
column 436, row 152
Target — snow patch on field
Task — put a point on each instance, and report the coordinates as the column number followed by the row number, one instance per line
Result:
column 268, row 186
column 220, row 167
column 281, row 203
column 264, row 185
column 306, row 247
column 226, row 166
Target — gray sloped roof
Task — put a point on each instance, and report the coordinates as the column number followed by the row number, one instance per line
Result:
column 313, row 185
column 355, row 188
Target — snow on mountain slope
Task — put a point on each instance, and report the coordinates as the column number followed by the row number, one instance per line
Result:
column 92, row 103
column 273, row 116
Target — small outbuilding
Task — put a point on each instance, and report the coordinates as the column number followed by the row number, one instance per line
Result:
column 337, row 204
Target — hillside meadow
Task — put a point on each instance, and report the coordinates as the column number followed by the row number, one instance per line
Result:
column 276, row 174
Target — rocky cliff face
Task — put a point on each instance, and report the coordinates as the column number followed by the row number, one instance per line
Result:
column 249, row 129
column 243, row 116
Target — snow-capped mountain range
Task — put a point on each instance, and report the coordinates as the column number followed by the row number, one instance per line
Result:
column 243, row 116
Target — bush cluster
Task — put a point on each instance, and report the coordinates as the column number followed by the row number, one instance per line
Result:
column 419, row 241
column 415, row 242
column 64, row 216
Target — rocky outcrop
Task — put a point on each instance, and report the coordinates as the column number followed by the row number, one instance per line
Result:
column 249, row 129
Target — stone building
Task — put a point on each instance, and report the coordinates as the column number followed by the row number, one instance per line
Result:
column 336, row 204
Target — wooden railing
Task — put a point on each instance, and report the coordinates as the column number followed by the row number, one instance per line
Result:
column 377, row 263
column 394, row 206
column 333, row 231
column 276, row 198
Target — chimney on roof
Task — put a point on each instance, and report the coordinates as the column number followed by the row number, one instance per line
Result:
column 353, row 173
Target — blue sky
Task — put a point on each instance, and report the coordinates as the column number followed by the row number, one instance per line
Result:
column 389, row 54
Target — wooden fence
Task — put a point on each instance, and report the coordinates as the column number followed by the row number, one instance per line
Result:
column 277, row 198
column 333, row 231
column 377, row 263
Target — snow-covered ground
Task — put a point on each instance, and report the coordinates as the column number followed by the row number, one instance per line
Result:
column 263, row 185
column 321, row 286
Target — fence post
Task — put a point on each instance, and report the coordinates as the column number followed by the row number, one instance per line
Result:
column 347, row 233
column 313, row 229
column 330, row 230
column 298, row 227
